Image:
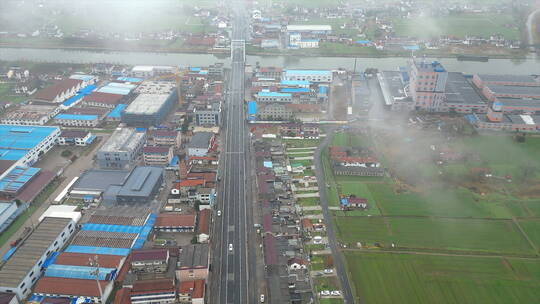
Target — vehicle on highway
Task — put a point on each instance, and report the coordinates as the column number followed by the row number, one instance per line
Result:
column 230, row 247
column 262, row 298
column 219, row 213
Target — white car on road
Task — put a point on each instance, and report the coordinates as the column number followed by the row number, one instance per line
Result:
column 230, row 247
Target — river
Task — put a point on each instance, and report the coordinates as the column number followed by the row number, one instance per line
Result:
column 494, row 66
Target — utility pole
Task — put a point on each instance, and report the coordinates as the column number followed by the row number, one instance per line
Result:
column 93, row 262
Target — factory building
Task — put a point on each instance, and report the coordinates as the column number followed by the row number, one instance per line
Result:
column 25, row 144
column 25, row 264
column 480, row 80
column 60, row 91
column 139, row 185
column 122, row 149
column 104, row 100
column 149, row 109
column 76, row 120
column 35, row 115
column 267, row 96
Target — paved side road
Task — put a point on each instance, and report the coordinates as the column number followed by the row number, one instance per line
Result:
column 341, row 272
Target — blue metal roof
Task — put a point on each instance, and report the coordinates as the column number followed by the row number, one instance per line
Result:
column 130, row 79
column 97, row 250
column 15, row 141
column 147, row 228
column 308, row 72
column 79, row 272
column 9, row 253
column 323, row 89
column 174, row 161
column 295, row 82
column 17, row 178
column 273, row 94
column 252, row 108
column 295, row 90
column 111, row 228
column 76, row 117
column 83, row 92
column 117, row 111
column 82, row 77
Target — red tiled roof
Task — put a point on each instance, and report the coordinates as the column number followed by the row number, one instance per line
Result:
column 123, row 296
column 149, row 254
column 175, row 220
column 195, row 288
column 204, row 221
column 207, row 176
column 81, row 259
column 153, row 286
column 100, row 97
column 71, row 287
column 35, row 186
column 191, row 182
column 156, row 149
column 306, row 223
column 165, row 133
column 50, row 93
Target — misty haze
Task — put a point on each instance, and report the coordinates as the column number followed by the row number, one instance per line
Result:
column 269, row 151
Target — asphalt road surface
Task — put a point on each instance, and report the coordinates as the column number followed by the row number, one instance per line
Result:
column 231, row 261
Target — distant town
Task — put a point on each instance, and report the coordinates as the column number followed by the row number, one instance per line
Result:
column 240, row 181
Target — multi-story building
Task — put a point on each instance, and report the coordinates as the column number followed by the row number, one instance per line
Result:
column 149, row 109
column 273, row 111
column 157, row 155
column 200, row 144
column 26, row 144
column 21, row 271
column 267, row 96
column 36, row 115
column 166, row 138
column 76, row 120
column 318, row 76
column 122, row 149
column 208, row 115
column 269, row 72
column 427, row 84
column 77, row 138
column 149, row 260
column 193, row 262
column 160, row 291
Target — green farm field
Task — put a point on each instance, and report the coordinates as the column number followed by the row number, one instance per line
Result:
column 406, row 278
column 483, row 25
column 478, row 235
